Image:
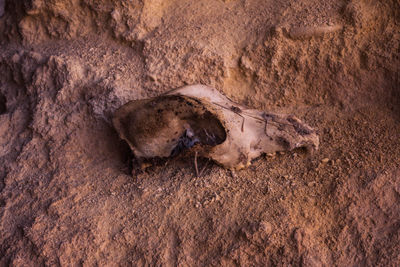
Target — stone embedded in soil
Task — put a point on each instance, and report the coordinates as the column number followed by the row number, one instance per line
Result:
column 325, row 160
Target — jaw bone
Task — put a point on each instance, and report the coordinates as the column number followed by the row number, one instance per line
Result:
column 200, row 118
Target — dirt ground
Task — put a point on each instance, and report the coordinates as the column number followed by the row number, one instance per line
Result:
column 67, row 197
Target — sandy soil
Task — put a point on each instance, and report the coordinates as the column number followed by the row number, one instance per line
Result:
column 66, row 193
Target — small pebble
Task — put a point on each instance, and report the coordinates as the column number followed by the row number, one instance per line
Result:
column 325, row 160
column 267, row 227
column 310, row 184
column 15, row 58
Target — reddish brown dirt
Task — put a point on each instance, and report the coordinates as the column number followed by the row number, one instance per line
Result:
column 66, row 195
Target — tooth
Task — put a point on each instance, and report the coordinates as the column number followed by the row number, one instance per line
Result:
column 200, row 118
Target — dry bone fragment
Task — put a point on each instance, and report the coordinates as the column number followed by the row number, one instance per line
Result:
column 201, row 118
column 308, row 32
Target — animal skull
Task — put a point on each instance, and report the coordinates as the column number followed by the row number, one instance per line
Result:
column 201, row 118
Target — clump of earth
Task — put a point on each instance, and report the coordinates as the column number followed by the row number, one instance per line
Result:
column 67, row 193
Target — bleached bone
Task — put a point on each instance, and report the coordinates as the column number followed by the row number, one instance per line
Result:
column 201, row 118
column 308, row 32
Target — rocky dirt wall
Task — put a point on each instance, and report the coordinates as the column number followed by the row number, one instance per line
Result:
column 67, row 196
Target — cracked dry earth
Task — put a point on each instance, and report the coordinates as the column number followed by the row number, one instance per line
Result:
column 67, row 197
